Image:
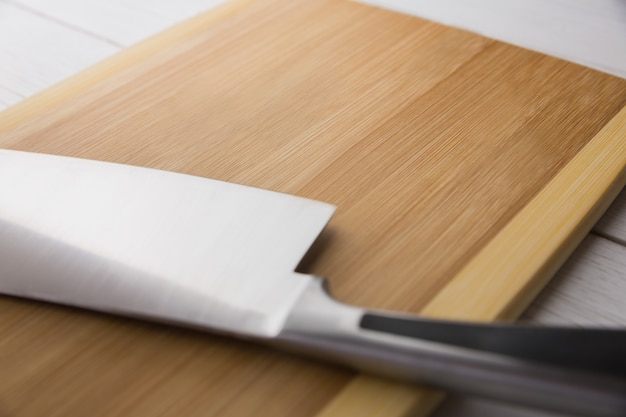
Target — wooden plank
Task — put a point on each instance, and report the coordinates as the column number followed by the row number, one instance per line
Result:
column 8, row 97
column 95, row 17
column 22, row 56
column 430, row 140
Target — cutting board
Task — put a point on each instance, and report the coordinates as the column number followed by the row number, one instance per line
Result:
column 465, row 171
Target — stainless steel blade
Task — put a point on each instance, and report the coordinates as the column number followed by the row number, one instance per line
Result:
column 151, row 243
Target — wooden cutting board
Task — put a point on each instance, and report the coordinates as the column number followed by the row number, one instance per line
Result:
column 464, row 170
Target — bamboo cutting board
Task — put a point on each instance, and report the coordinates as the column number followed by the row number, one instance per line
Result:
column 464, row 170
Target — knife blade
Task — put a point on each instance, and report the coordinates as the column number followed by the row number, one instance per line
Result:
column 219, row 256
column 152, row 244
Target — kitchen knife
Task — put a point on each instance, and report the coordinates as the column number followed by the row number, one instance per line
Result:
column 218, row 256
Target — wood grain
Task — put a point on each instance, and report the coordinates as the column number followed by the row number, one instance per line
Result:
column 429, row 139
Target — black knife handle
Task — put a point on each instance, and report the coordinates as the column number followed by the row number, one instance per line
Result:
column 589, row 349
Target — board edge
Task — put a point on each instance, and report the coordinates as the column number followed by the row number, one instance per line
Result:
column 68, row 88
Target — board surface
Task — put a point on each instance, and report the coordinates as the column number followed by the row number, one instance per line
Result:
column 430, row 140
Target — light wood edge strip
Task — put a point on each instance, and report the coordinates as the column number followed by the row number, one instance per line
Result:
column 70, row 87
column 528, row 251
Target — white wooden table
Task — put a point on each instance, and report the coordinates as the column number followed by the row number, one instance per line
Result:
column 43, row 42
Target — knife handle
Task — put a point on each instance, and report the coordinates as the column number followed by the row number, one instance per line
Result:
column 569, row 370
column 588, row 349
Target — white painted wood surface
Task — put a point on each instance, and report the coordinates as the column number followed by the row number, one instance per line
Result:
column 42, row 42
column 613, row 223
column 117, row 22
column 36, row 52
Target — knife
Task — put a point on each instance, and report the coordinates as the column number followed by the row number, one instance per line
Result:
column 217, row 256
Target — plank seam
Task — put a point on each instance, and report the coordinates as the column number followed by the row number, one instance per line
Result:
column 610, row 238
column 63, row 23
